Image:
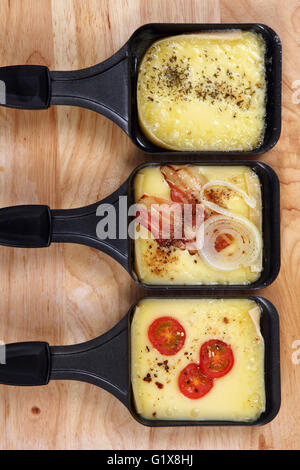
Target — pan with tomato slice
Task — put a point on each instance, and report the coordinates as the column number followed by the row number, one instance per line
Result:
column 166, row 335
column 105, row 362
column 216, row 358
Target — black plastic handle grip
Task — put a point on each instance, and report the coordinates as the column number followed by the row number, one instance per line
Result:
column 102, row 88
column 26, row 87
column 25, row 364
column 103, row 361
column 38, row 226
column 25, row 226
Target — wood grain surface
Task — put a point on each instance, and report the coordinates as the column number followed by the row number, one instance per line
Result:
column 67, row 157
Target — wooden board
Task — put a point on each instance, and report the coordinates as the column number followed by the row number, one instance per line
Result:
column 68, row 157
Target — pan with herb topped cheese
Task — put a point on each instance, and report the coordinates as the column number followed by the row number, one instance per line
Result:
column 214, row 219
column 204, row 91
column 197, row 359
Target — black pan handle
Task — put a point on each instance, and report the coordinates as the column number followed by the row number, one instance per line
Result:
column 25, row 226
column 104, row 362
column 25, row 364
column 37, row 226
column 25, row 87
column 103, row 88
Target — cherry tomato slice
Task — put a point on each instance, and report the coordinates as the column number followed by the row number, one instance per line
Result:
column 193, row 383
column 223, row 241
column 167, row 335
column 216, row 358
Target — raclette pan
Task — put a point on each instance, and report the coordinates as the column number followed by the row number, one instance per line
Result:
column 105, row 362
column 35, row 226
column 109, row 88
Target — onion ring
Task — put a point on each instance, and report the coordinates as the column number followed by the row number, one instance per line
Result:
column 215, row 207
column 247, row 239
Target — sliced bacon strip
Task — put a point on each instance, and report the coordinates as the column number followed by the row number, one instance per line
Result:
column 185, row 188
column 158, row 214
column 145, row 220
column 177, row 196
column 183, row 183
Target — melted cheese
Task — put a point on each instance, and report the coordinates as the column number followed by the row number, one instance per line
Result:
column 181, row 267
column 204, row 91
column 238, row 396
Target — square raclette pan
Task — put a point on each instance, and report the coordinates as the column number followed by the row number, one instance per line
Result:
column 109, row 88
column 38, row 226
column 105, row 362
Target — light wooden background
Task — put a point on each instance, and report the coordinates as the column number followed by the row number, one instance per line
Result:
column 67, row 158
